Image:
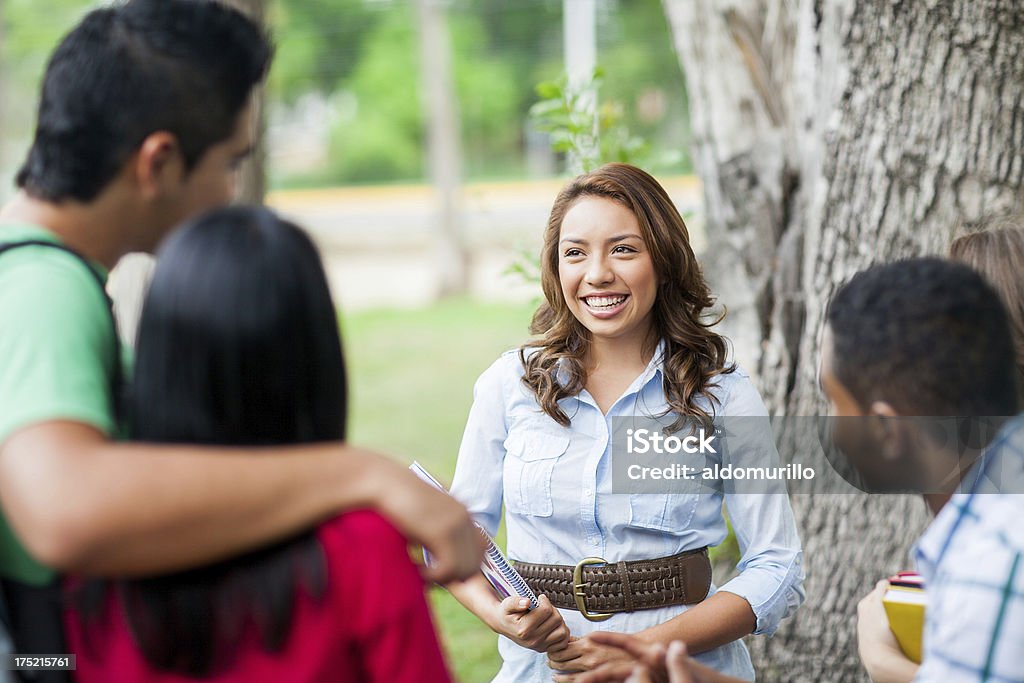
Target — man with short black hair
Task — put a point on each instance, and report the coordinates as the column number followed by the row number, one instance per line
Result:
column 144, row 119
column 926, row 338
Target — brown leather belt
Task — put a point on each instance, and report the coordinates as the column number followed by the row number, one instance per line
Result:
column 599, row 589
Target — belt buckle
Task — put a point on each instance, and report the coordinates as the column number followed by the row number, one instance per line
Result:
column 578, row 587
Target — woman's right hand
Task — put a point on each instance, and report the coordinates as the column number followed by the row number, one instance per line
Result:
column 541, row 629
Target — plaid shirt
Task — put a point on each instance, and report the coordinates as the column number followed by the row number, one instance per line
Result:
column 971, row 561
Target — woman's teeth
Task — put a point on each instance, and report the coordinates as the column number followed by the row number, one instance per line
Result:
column 604, row 301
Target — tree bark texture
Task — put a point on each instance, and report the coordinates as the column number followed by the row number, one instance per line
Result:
column 832, row 134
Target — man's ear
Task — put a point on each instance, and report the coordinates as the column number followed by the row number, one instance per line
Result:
column 887, row 429
column 882, row 409
column 159, row 164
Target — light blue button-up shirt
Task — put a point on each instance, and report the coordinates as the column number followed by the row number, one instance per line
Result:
column 555, row 483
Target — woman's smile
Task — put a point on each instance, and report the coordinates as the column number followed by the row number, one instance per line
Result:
column 605, row 306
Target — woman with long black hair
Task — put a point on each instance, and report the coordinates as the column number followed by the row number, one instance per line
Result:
column 238, row 345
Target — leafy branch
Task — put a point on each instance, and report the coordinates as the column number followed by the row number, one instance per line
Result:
column 592, row 136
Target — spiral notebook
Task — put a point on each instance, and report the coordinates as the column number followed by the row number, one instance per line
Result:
column 502, row 576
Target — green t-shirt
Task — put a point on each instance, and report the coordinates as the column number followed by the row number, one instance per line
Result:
column 56, row 355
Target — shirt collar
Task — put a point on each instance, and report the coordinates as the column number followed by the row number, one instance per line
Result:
column 991, row 473
column 930, row 546
column 655, row 369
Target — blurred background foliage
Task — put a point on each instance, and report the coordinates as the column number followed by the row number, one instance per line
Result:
column 362, row 57
column 344, row 98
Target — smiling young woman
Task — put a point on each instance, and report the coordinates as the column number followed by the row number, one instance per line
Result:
column 623, row 333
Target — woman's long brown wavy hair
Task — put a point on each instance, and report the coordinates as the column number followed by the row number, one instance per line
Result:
column 694, row 354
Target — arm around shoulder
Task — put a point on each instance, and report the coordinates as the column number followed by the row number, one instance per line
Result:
column 82, row 503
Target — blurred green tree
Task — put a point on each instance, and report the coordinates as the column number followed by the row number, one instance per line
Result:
column 642, row 81
column 383, row 137
column 33, row 28
column 362, row 52
column 362, row 56
column 319, row 42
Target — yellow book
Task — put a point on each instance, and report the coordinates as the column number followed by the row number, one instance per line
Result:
column 905, row 607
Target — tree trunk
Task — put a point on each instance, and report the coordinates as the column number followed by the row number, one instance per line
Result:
column 579, row 46
column 831, row 134
column 253, row 177
column 437, row 81
column 738, row 120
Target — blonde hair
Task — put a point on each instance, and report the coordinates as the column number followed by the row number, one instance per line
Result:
column 996, row 251
column 694, row 354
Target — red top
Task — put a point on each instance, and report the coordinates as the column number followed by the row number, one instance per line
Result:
column 371, row 625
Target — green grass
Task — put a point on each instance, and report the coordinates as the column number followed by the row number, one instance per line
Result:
column 411, row 386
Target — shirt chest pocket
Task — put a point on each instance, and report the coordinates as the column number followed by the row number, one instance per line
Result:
column 671, row 512
column 529, row 463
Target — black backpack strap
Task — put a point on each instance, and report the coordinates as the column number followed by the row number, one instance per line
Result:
column 117, row 381
column 5, row 617
column 36, row 625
